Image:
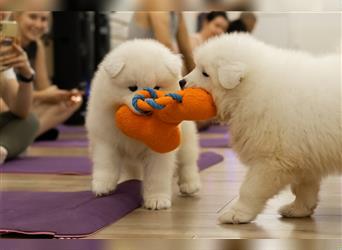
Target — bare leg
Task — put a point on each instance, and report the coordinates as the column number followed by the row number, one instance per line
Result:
column 260, row 184
column 306, row 192
column 3, row 154
column 51, row 115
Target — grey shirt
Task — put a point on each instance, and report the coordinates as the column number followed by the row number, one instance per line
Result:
column 137, row 31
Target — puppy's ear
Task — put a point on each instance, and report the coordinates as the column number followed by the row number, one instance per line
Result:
column 231, row 74
column 113, row 68
column 174, row 65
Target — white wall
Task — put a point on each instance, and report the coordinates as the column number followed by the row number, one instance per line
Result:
column 314, row 32
column 298, row 5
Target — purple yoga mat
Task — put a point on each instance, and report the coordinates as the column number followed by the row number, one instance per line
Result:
column 71, row 129
column 222, row 142
column 73, row 214
column 216, row 129
column 63, row 143
column 76, row 165
column 208, row 159
column 49, row 244
column 48, row 165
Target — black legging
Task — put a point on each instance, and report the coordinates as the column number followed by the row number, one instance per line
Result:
column 16, row 134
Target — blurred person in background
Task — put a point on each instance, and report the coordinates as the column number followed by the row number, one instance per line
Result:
column 245, row 23
column 229, row 5
column 51, row 105
column 210, row 24
column 18, row 126
column 4, row 4
column 214, row 24
column 37, row 5
column 166, row 27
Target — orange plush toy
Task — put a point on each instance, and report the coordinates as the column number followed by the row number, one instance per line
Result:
column 161, row 113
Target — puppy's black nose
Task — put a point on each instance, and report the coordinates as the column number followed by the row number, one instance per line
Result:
column 182, row 83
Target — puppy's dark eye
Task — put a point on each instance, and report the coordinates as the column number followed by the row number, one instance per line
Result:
column 133, row 88
column 205, row 74
column 156, row 87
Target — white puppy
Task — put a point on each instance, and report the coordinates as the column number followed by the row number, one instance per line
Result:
column 133, row 66
column 284, row 113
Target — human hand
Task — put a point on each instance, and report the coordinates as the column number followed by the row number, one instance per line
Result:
column 75, row 97
column 15, row 57
column 54, row 95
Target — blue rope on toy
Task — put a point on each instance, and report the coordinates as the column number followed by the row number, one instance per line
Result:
column 152, row 92
column 151, row 101
column 176, row 97
column 153, row 104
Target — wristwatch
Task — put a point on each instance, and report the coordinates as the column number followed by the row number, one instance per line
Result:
column 24, row 79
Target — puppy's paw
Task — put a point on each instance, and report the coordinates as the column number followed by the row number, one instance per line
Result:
column 294, row 210
column 236, row 215
column 157, row 202
column 103, row 186
column 190, row 187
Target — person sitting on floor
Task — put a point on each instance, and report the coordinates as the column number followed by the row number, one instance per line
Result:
column 18, row 127
column 51, row 105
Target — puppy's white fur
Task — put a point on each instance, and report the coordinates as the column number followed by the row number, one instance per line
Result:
column 141, row 63
column 283, row 108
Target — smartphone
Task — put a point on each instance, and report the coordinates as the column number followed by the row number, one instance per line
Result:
column 8, row 35
column 9, row 29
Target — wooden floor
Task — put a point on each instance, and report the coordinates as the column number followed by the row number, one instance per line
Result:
column 194, row 218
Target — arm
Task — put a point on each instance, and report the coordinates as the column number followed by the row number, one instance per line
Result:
column 160, row 24
column 3, row 106
column 42, row 80
column 46, row 91
column 183, row 41
column 18, row 97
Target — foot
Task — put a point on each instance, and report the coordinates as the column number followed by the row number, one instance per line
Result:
column 190, row 187
column 3, row 154
column 102, row 185
column 157, row 202
column 50, row 135
column 295, row 210
column 238, row 214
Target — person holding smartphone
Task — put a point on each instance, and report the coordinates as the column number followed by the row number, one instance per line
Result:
column 18, row 127
column 51, row 105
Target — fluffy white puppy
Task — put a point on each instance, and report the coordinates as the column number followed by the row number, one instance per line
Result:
column 130, row 67
column 283, row 108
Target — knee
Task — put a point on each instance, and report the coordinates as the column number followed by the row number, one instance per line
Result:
column 32, row 123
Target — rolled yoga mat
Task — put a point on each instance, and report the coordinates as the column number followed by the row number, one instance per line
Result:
column 76, row 165
column 72, row 214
